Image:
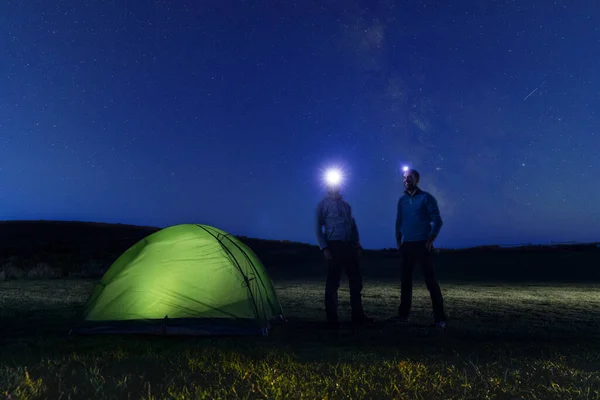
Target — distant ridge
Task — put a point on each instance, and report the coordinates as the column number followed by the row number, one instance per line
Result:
column 56, row 249
column 29, row 233
column 72, row 222
column 15, row 232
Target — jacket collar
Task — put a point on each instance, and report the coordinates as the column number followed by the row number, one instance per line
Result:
column 417, row 191
column 333, row 195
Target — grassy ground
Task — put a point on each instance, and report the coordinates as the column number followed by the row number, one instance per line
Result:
column 504, row 342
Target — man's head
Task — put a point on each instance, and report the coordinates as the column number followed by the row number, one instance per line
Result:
column 333, row 191
column 333, row 179
column 411, row 179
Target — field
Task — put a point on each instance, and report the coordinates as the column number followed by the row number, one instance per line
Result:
column 505, row 341
column 524, row 324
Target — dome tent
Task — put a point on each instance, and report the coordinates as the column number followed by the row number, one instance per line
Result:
column 185, row 279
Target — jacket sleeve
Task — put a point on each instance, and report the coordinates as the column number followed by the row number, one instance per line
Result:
column 355, row 235
column 399, row 221
column 434, row 214
column 319, row 227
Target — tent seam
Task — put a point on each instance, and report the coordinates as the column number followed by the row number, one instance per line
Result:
column 253, row 267
column 238, row 266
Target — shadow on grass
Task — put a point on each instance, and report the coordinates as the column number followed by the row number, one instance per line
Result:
column 36, row 319
column 57, row 324
column 300, row 354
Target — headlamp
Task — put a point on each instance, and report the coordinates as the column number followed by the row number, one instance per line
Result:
column 333, row 177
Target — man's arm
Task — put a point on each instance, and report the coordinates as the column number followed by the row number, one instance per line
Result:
column 355, row 236
column 319, row 228
column 399, row 223
column 434, row 214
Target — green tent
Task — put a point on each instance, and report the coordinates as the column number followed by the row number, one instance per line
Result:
column 185, row 279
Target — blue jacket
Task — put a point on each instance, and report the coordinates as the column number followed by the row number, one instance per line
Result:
column 418, row 217
column 334, row 221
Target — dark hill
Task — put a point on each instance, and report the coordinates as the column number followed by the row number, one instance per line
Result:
column 57, row 248
column 88, row 248
column 96, row 239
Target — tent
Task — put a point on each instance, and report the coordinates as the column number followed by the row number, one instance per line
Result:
column 184, row 280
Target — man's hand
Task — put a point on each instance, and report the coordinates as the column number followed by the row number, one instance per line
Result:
column 327, row 254
column 429, row 243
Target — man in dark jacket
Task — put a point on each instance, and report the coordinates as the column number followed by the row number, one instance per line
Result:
column 418, row 223
column 338, row 239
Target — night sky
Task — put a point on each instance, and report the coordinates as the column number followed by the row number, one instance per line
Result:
column 227, row 113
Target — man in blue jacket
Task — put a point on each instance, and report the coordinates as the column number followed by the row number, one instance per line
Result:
column 338, row 239
column 418, row 223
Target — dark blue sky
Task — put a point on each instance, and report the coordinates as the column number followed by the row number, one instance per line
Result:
column 226, row 113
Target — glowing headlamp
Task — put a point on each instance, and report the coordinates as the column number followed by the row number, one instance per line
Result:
column 405, row 168
column 333, row 177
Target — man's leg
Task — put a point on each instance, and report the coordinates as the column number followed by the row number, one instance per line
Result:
column 437, row 301
column 332, row 285
column 355, row 282
column 406, row 277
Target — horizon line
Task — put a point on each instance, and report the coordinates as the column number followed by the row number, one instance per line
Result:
column 491, row 245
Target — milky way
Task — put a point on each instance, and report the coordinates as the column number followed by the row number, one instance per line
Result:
column 161, row 113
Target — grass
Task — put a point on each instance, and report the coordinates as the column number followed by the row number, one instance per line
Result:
column 504, row 342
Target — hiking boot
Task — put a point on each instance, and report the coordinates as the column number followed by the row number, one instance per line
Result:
column 441, row 325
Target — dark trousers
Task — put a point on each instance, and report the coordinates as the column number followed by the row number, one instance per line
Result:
column 413, row 253
column 344, row 258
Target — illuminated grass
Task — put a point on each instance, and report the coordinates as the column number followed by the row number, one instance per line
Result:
column 504, row 342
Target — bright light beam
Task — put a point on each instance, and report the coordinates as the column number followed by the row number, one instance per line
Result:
column 333, row 177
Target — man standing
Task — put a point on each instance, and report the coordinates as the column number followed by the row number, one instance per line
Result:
column 418, row 223
column 338, row 239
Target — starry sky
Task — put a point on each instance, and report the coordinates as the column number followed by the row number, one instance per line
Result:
column 227, row 113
